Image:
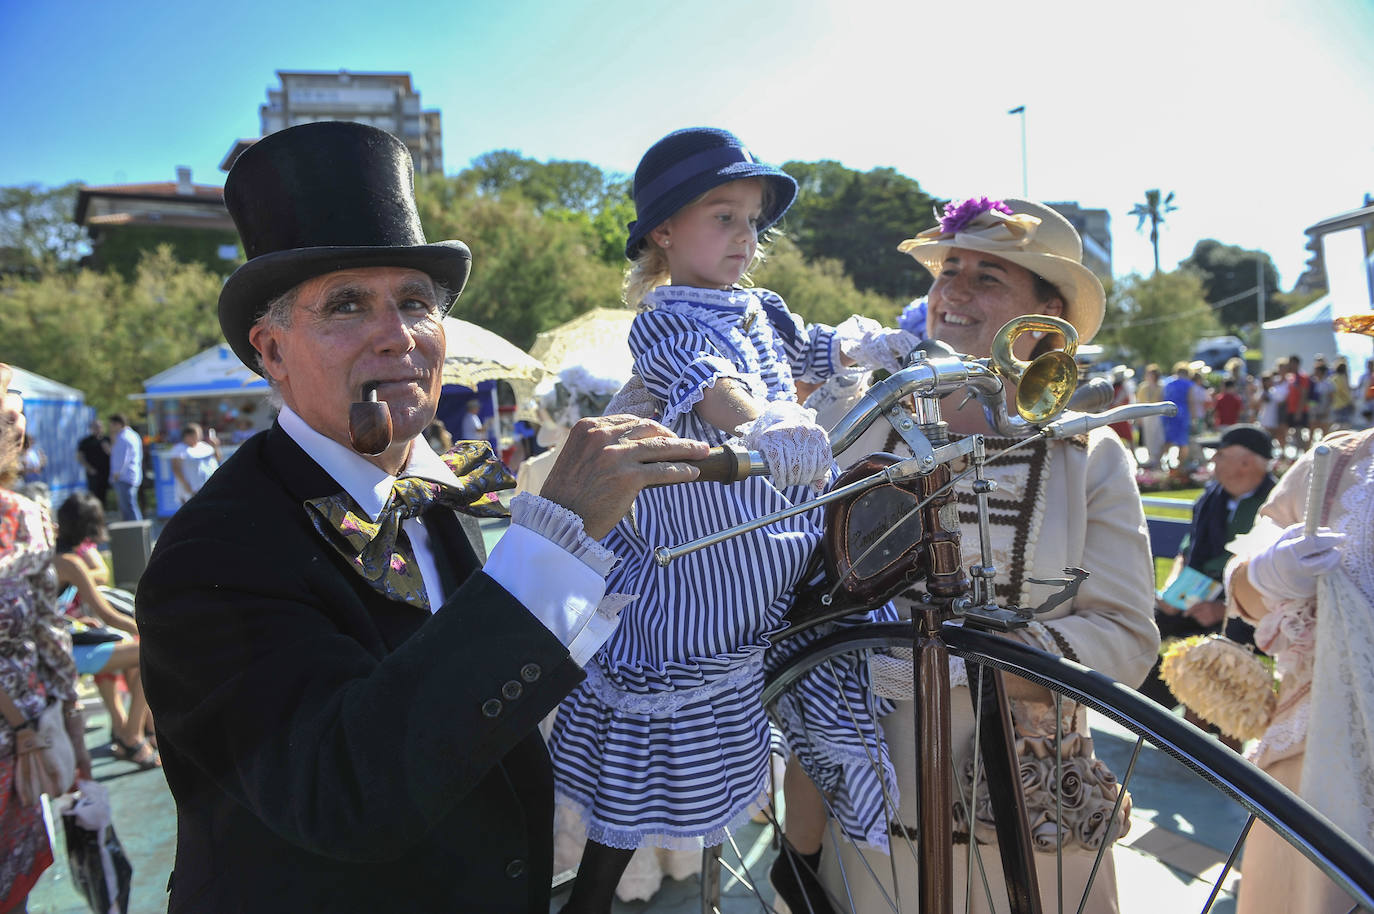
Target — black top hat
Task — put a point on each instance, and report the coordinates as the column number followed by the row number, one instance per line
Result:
column 686, row 164
column 317, row 198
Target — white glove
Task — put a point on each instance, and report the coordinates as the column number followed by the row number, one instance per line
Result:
column 872, row 345
column 1288, row 568
column 796, row 449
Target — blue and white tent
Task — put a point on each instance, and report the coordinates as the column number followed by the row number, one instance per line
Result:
column 58, row 418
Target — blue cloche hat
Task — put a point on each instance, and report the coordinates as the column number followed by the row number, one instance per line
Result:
column 686, row 164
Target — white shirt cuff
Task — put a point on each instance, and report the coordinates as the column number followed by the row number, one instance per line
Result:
column 559, row 589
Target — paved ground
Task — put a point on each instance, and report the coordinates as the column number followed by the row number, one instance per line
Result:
column 1180, row 836
column 1181, row 833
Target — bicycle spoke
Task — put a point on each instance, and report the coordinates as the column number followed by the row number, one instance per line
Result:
column 1059, row 799
column 835, row 842
column 1240, row 783
column 892, row 810
column 971, row 803
column 1230, row 861
column 1110, row 838
column 747, row 880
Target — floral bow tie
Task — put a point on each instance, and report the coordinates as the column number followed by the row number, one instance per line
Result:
column 378, row 550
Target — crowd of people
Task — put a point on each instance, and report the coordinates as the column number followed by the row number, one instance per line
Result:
column 348, row 689
column 1295, row 407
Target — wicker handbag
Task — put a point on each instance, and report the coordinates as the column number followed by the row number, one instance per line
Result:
column 1223, row 682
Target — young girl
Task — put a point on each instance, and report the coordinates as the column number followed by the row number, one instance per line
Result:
column 666, row 742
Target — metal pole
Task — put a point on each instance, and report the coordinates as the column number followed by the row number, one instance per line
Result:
column 1025, row 182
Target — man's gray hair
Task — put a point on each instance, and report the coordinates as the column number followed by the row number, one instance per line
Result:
column 276, row 314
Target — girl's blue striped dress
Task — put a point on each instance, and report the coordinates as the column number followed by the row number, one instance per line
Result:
column 666, row 742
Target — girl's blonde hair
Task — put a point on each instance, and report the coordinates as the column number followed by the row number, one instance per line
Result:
column 649, row 268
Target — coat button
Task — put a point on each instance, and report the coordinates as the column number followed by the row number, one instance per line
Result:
column 530, row 672
column 491, row 707
column 511, row 690
column 515, row 869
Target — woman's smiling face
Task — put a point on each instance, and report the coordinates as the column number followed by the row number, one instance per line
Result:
column 975, row 294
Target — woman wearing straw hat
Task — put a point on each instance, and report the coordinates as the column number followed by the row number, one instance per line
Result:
column 1058, row 504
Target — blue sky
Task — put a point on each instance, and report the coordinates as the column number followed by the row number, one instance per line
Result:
column 1259, row 115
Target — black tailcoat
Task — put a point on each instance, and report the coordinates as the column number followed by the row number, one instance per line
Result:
column 330, row 749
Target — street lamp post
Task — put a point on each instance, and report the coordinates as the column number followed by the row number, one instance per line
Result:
column 1025, row 183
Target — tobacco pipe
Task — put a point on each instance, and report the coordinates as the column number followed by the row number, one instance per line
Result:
column 369, row 424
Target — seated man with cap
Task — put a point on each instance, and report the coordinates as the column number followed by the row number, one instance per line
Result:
column 347, row 696
column 1241, row 481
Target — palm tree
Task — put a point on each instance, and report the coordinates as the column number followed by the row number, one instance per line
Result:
column 1153, row 209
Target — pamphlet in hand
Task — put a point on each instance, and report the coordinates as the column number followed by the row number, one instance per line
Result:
column 1191, row 586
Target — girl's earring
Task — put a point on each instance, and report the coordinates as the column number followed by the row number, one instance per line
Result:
column 667, row 242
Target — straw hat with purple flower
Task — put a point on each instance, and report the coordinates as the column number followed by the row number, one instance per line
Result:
column 1027, row 234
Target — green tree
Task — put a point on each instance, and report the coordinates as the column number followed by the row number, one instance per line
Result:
column 36, row 228
column 103, row 334
column 1229, row 280
column 579, row 193
column 820, row 290
column 859, row 218
column 1158, row 318
column 1153, row 209
column 530, row 271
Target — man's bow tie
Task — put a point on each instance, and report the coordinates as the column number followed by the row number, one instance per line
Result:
column 378, row 550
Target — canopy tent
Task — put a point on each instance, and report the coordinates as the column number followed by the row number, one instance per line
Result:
column 57, row 418
column 1308, row 333
column 211, row 387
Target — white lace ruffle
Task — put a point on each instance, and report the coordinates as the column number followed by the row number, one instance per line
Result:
column 1358, row 506
column 891, row 676
column 563, row 528
column 872, row 345
column 796, row 449
column 1284, row 735
column 623, row 838
column 666, row 702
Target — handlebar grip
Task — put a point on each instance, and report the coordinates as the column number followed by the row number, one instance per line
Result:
column 729, row 463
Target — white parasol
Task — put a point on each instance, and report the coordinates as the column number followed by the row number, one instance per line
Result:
column 475, row 355
column 598, row 337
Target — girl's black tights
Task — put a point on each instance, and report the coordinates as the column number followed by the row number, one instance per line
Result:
column 597, row 876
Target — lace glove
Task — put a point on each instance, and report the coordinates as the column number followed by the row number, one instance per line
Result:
column 633, row 399
column 796, row 449
column 872, row 345
column 1288, row 568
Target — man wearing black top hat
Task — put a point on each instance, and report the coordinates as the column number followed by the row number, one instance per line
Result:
column 1226, row 509
column 346, row 696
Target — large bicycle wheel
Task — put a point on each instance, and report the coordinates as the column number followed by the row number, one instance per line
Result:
column 1219, row 794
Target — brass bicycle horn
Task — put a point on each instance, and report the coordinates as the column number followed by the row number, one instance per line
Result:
column 1043, row 386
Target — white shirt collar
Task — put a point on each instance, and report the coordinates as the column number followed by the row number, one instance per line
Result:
column 366, row 483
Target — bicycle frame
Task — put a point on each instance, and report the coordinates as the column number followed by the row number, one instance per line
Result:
column 949, row 594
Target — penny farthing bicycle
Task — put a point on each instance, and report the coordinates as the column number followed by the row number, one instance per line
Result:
column 892, row 523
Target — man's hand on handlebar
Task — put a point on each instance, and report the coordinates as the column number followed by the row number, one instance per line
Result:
column 606, row 461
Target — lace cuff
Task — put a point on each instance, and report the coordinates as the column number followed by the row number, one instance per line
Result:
column 563, row 528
